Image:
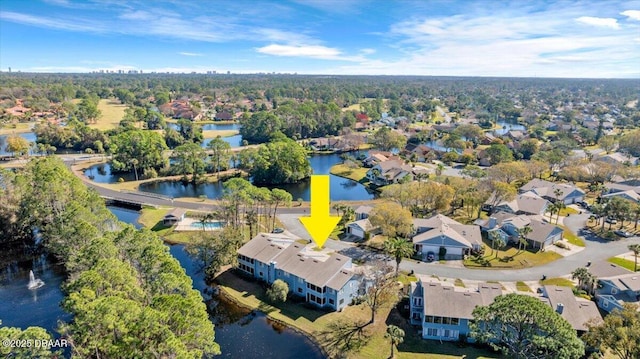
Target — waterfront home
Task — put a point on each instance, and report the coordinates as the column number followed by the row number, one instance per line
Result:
column 361, row 229
column 443, row 311
column 567, row 193
column 324, row 280
column 362, row 212
column 439, row 231
column 174, row 216
column 390, row 171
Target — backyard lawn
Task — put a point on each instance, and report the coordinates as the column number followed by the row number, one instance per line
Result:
column 561, row 282
column 356, row 174
column 624, row 263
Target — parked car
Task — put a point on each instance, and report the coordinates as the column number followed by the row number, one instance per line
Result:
column 622, row 233
column 431, row 256
column 583, row 204
column 611, row 220
column 277, row 230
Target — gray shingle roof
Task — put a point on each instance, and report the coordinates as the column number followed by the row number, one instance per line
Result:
column 446, row 301
column 576, row 311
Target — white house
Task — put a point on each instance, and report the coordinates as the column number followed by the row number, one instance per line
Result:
column 551, row 191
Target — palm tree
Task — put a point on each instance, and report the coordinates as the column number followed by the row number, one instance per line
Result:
column 134, row 162
column 635, row 248
column 559, row 204
column 552, row 209
column 398, row 248
column 497, row 241
column 522, row 236
column 396, row 335
column 582, row 275
column 439, row 169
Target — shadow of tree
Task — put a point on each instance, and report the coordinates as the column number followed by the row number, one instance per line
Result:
column 343, row 336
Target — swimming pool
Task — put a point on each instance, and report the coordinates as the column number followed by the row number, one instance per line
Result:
column 207, row 225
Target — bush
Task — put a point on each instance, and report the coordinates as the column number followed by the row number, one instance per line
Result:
column 561, row 245
column 278, row 291
column 442, row 252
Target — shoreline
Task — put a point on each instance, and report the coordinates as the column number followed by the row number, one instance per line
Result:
column 223, row 291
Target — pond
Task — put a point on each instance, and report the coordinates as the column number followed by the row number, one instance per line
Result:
column 240, row 333
column 506, row 127
column 234, row 141
column 341, row 189
column 29, row 136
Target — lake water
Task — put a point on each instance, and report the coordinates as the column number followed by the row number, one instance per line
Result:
column 506, row 127
column 341, row 189
column 240, row 333
column 29, row 136
column 234, row 141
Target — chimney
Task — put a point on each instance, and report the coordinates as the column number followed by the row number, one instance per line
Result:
column 560, row 308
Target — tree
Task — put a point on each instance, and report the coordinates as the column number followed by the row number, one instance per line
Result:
column 398, row 248
column 279, row 197
column 522, row 236
column 618, row 333
column 279, row 162
column 395, row 335
column 380, row 290
column 607, row 143
column 500, row 192
column 190, row 160
column 393, row 220
column 507, row 172
column 278, row 291
column 386, row 139
column 220, row 152
column 17, row 145
column 524, row 327
column 497, row 153
column 28, row 335
column 630, row 142
column 586, row 280
column 635, row 248
column 470, row 132
column 146, row 147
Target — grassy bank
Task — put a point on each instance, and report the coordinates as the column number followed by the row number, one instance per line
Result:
column 221, row 133
column 357, row 174
column 316, row 324
column 15, row 128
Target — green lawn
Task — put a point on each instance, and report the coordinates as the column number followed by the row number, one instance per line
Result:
column 221, row 133
column 567, row 211
column 14, row 128
column 562, row 282
column 523, row 287
column 511, row 258
column 112, row 112
column 356, row 174
column 152, row 218
column 572, row 238
column 624, row 263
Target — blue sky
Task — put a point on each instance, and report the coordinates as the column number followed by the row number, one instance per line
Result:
column 454, row 38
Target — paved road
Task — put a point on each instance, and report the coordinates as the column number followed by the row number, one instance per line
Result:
column 595, row 250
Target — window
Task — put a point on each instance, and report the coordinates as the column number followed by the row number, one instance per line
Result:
column 261, row 274
column 446, row 320
column 614, row 290
column 432, row 332
column 415, row 316
column 428, row 319
column 299, row 290
column 331, row 301
column 455, row 321
column 341, row 301
column 446, row 333
column 437, row 320
column 417, row 301
column 605, row 304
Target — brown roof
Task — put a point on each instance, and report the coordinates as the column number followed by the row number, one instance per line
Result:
column 576, row 311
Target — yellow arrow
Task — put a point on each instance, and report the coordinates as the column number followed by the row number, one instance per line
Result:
column 320, row 224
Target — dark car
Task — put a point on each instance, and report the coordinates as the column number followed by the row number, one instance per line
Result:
column 431, row 256
column 277, row 230
column 624, row 234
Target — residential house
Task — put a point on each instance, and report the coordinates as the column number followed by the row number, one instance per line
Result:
column 362, row 212
column 440, row 231
column 524, row 203
column 619, row 158
column 615, row 290
column 174, row 216
column 444, row 311
column 420, row 152
column 376, row 157
column 551, row 191
column 323, row 144
column 327, row 281
column 223, row 116
column 508, row 225
column 516, row 135
column 627, row 189
column 577, row 311
column 361, row 229
column 390, row 171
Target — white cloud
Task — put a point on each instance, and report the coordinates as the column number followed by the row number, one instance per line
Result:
column 62, row 24
column 599, row 21
column 632, row 14
column 367, row 51
column 315, row 51
column 190, row 54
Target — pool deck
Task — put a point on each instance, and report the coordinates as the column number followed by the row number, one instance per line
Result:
column 185, row 225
